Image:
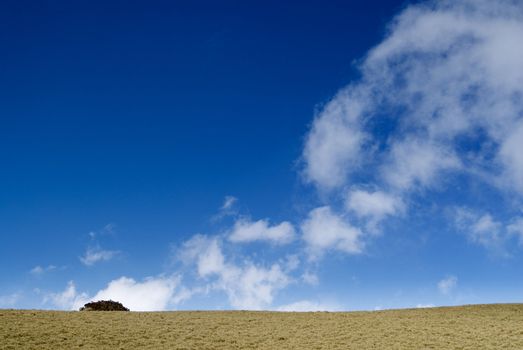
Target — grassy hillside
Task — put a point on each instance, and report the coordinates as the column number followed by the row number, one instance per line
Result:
column 468, row 327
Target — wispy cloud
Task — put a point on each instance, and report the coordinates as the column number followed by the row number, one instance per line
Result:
column 68, row 299
column 310, row 278
column 95, row 255
column 515, row 228
column 108, row 229
column 228, row 202
column 248, row 286
column 483, row 229
column 307, row 306
column 447, row 285
column 228, row 208
column 9, row 300
column 39, row 270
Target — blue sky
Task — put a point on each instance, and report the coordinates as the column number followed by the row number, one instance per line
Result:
column 271, row 155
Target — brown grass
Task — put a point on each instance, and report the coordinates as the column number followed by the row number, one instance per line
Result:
column 468, row 327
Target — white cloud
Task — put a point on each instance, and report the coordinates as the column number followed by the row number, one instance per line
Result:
column 324, row 230
column 447, row 75
column 447, row 285
column 414, row 162
column 254, row 287
column 247, row 286
column 308, row 306
column 94, row 255
column 205, row 253
column 374, row 206
column 424, row 306
column 480, row 229
column 335, row 142
column 69, row 299
column 249, row 231
column 485, row 230
column 153, row 294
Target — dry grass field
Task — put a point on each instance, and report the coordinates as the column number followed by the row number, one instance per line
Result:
column 468, row 327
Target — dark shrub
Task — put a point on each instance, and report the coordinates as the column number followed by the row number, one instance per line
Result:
column 104, row 305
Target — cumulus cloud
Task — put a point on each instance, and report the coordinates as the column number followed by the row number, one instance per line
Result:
column 153, row 294
column 95, row 255
column 438, row 107
column 416, row 163
column 324, row 230
column 205, row 253
column 68, row 299
column 248, row 286
column 447, row 285
column 245, row 230
column 254, row 287
column 335, row 142
column 441, row 95
column 373, row 206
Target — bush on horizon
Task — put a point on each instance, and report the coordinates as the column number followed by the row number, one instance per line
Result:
column 104, row 305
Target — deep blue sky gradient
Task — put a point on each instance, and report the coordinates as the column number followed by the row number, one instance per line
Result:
column 145, row 114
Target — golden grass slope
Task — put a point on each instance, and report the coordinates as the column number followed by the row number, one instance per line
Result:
column 467, row 327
